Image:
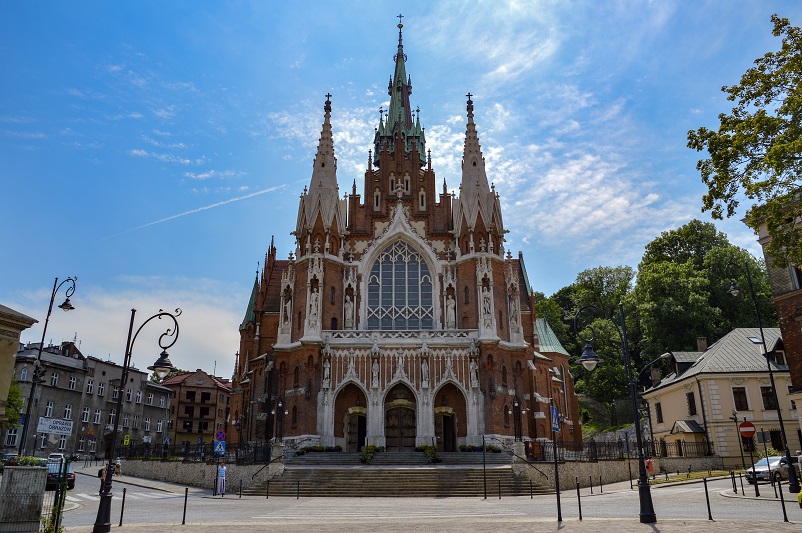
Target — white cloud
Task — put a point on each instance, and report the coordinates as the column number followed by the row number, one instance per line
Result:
column 211, row 174
column 211, row 313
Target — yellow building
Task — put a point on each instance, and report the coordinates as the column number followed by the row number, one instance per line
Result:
column 695, row 410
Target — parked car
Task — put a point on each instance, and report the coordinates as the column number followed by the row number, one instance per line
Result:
column 768, row 469
column 53, row 469
column 55, row 457
column 9, row 458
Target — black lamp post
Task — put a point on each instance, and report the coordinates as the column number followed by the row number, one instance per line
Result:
column 38, row 371
column 516, row 418
column 793, row 480
column 734, row 419
column 161, row 367
column 278, row 412
column 589, row 360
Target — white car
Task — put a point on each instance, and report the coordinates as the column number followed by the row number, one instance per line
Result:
column 55, row 458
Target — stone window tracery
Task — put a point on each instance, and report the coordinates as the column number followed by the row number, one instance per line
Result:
column 400, row 290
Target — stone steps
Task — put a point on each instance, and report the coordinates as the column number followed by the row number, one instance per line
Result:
column 407, row 481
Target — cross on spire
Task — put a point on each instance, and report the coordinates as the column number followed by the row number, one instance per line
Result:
column 469, row 96
column 400, row 16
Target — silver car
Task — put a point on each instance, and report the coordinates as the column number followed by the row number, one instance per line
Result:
column 768, row 469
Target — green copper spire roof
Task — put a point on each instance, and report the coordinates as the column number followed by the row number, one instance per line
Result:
column 548, row 340
column 399, row 116
column 250, row 313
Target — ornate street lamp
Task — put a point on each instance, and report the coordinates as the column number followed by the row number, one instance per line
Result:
column 162, row 367
column 793, row 480
column 278, row 412
column 38, row 372
column 589, row 360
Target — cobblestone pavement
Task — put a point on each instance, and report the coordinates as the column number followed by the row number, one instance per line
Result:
column 458, row 515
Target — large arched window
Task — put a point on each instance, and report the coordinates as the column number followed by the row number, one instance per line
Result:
column 400, row 290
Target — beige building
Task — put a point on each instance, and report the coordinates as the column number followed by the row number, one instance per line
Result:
column 12, row 323
column 695, row 409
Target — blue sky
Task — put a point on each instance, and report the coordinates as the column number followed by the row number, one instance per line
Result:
column 153, row 148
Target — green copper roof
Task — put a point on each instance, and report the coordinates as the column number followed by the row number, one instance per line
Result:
column 399, row 117
column 250, row 313
column 548, row 340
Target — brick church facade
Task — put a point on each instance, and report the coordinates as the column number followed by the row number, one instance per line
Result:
column 400, row 319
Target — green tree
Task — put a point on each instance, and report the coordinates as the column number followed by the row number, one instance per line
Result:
column 690, row 242
column 14, row 405
column 757, row 150
column 156, row 379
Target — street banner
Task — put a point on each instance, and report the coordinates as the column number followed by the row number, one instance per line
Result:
column 56, row 426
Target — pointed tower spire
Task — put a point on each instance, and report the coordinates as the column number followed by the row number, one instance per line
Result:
column 399, row 116
column 322, row 197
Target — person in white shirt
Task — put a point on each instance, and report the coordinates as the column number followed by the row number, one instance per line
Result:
column 221, row 479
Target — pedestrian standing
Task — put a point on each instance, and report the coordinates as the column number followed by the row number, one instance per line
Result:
column 118, row 468
column 650, row 467
column 102, row 475
column 221, row 479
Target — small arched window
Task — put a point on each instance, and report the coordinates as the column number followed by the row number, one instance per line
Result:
column 333, row 322
column 406, row 184
column 422, row 200
column 501, row 320
column 506, row 416
column 467, row 295
column 503, row 375
column 392, row 183
column 23, row 376
column 294, row 416
column 296, row 376
column 332, row 294
column 377, row 199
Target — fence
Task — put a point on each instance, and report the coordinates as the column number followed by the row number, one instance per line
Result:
column 593, row 450
column 241, row 453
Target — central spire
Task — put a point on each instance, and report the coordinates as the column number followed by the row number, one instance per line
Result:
column 399, row 118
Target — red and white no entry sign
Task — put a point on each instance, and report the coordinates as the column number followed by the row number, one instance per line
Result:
column 746, row 429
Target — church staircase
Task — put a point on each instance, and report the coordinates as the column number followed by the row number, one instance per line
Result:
column 403, row 474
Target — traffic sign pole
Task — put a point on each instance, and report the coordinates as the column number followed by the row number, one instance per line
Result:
column 747, row 429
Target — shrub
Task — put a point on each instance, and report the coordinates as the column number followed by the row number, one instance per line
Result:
column 431, row 454
column 368, row 452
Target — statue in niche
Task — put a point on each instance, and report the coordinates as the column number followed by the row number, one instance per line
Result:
column 513, row 310
column 326, row 373
column 424, row 372
column 287, row 311
column 374, row 371
column 451, row 314
column 349, row 312
column 399, row 367
column 474, row 371
column 351, row 364
column 486, row 302
column 482, row 246
column 317, row 246
column 313, row 305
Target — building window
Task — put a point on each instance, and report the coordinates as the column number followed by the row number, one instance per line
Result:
column 101, row 389
column 139, row 396
column 400, row 290
column 191, row 396
column 506, row 416
column 206, row 397
column 791, row 391
column 294, row 416
column 503, row 376
column 112, row 416
column 147, row 423
column 135, row 424
column 159, row 424
column 767, row 393
column 115, row 392
column 658, row 412
column 129, row 395
column 92, row 446
column 422, row 200
column 467, row 295
column 54, row 379
column 98, row 415
column 11, row 437
column 68, row 411
column 71, row 385
column 125, row 420
column 161, row 401
column 90, row 386
column 150, row 398
column 62, row 442
column 23, row 376
column 49, row 410
column 43, row 440
column 296, row 377
column 81, row 443
column 376, row 200
column 740, row 399
column 691, row 399
column 85, row 414
column 189, row 411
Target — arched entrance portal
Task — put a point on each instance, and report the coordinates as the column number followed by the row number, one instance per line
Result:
column 450, row 418
column 350, row 412
column 399, row 419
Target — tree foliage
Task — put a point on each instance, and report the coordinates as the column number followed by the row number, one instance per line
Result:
column 156, row 379
column 14, row 405
column 757, row 150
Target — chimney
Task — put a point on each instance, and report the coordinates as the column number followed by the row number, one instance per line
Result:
column 656, row 376
column 701, row 344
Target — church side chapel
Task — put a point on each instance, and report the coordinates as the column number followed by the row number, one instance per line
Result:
column 400, row 319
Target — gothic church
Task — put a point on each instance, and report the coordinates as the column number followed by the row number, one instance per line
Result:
column 400, row 319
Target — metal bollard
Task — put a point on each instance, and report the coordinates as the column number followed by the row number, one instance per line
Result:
column 741, row 478
column 531, row 493
column 782, row 499
column 186, row 495
column 298, row 491
column 578, row 499
column 122, row 508
column 591, row 484
column 499, row 489
column 707, row 497
column 734, row 486
column 267, row 490
column 240, row 488
column 601, row 486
